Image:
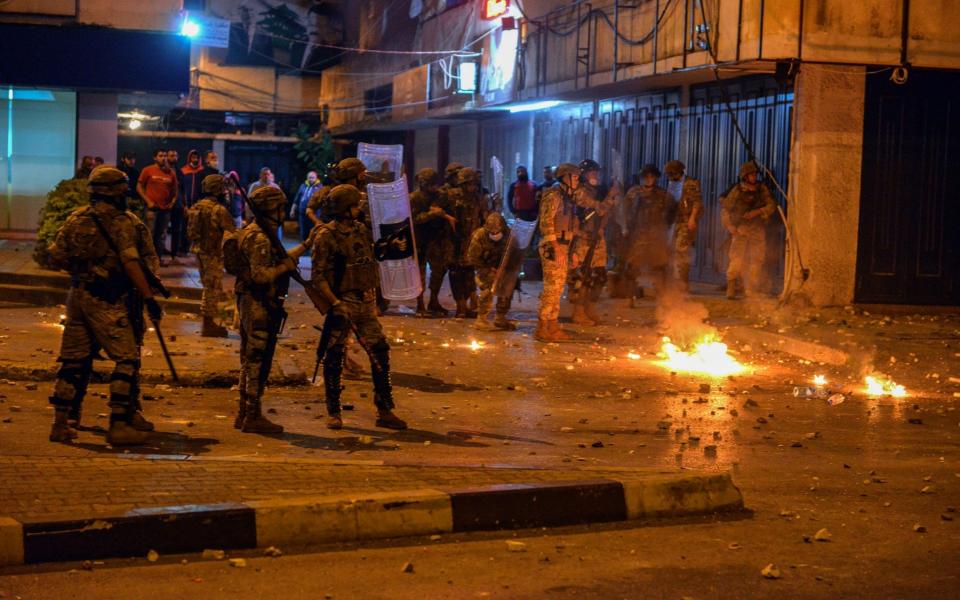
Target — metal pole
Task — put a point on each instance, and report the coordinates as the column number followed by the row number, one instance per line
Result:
column 800, row 34
column 763, row 5
column 686, row 29
column 739, row 28
column 656, row 34
column 904, row 32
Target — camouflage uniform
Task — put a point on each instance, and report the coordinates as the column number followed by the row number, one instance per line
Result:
column 97, row 309
column 689, row 204
column 558, row 222
column 343, row 259
column 260, row 295
column 434, row 236
column 315, row 204
column 212, row 220
column 486, row 255
column 749, row 237
column 470, row 211
column 649, row 212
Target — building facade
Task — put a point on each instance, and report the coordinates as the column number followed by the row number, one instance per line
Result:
column 850, row 106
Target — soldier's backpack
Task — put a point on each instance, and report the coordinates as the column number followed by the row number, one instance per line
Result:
column 234, row 260
column 194, row 224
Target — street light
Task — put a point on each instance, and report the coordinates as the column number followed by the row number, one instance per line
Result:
column 190, row 28
column 135, row 123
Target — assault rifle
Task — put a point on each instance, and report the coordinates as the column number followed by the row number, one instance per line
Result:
column 319, row 301
column 155, row 284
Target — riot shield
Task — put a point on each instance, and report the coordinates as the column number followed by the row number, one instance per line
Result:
column 391, row 219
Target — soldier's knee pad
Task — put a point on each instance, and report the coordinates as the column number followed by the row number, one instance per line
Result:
column 72, row 380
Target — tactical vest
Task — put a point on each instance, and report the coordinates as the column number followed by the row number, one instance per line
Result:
column 90, row 253
column 567, row 222
column 743, row 201
column 355, row 268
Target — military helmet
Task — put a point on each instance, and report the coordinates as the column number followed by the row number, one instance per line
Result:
column 107, row 181
column 649, row 169
column 349, row 169
column 564, row 169
column 268, row 198
column 451, row 170
column 341, row 199
column 674, row 167
column 495, row 223
column 588, row 165
column 426, row 176
column 748, row 168
column 213, row 185
column 467, row 175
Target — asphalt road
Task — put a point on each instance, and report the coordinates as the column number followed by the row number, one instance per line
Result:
column 868, row 471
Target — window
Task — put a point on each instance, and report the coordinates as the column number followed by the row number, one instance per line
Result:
column 37, row 150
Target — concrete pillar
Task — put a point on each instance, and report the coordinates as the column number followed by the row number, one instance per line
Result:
column 97, row 126
column 220, row 147
column 825, row 164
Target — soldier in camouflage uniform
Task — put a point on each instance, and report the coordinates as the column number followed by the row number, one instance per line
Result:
column 98, row 315
column 434, row 226
column 346, row 272
column 261, row 289
column 649, row 210
column 208, row 220
column 470, row 207
column 349, row 171
column 744, row 213
column 559, row 230
column 594, row 201
column 686, row 191
column 486, row 252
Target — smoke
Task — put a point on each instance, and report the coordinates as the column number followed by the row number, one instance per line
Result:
column 680, row 318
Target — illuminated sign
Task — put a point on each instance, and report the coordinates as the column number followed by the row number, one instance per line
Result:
column 493, row 9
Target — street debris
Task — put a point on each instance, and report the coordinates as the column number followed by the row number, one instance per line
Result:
column 239, row 563
column 823, row 535
column 273, row 552
column 770, row 572
column 153, row 556
column 214, row 554
column 919, row 528
column 515, row 546
column 407, row 567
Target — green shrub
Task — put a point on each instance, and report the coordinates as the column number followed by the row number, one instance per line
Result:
column 61, row 201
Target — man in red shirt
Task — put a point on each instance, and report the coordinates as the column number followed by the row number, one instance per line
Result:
column 157, row 187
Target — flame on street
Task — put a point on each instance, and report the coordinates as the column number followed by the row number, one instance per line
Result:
column 475, row 345
column 879, row 385
column 819, row 380
column 708, row 356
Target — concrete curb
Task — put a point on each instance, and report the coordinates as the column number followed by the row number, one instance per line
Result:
column 351, row 517
column 51, row 296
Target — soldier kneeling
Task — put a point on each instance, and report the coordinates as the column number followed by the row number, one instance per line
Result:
column 488, row 246
column 346, row 272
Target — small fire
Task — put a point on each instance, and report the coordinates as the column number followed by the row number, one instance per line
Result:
column 475, row 345
column 708, row 356
column 880, row 385
column 633, row 356
column 819, row 380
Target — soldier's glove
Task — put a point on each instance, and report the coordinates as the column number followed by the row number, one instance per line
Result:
column 153, row 309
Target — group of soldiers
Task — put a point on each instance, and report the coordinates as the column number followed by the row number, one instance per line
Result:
column 458, row 231
column 112, row 262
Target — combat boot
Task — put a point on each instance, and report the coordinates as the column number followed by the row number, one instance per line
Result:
column 255, row 422
column 61, row 431
column 421, row 309
column 211, row 329
column 242, row 406
column 543, row 332
column 580, row 316
column 502, row 322
column 590, row 310
column 559, row 334
column 122, row 433
column 388, row 420
column 731, row 289
column 140, row 423
column 435, row 308
column 334, row 422
column 483, row 324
